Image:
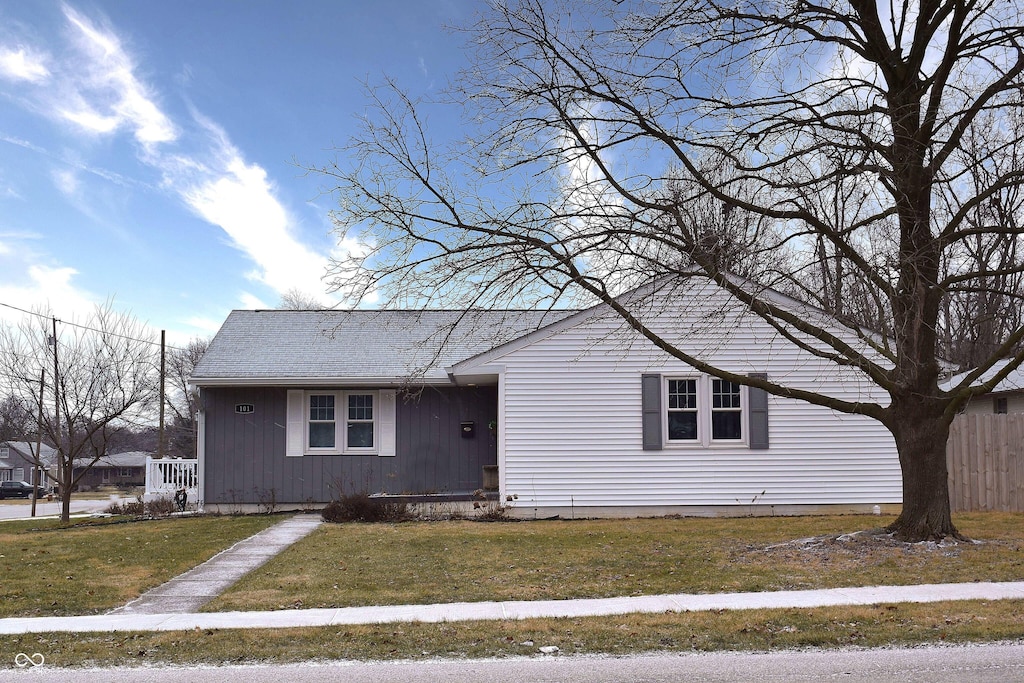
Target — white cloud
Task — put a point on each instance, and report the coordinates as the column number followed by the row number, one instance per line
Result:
column 47, row 287
column 66, row 181
column 251, row 301
column 104, row 93
column 23, row 65
column 88, row 118
column 241, row 201
column 205, row 326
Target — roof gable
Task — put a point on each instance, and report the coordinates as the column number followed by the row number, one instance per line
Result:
column 24, row 451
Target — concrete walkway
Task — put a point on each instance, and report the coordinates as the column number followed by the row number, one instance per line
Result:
column 171, row 607
column 198, row 586
column 473, row 611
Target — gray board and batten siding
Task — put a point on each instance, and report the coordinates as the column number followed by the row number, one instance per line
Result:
column 433, row 457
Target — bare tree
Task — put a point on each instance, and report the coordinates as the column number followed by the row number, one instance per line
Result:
column 847, row 135
column 101, row 379
column 985, row 302
column 182, row 399
column 297, row 300
column 17, row 420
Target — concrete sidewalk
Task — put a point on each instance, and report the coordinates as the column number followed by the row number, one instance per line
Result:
column 473, row 611
column 193, row 589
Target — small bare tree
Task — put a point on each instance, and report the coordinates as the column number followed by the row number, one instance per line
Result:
column 847, row 138
column 101, row 379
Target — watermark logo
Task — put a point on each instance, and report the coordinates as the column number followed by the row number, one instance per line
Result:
column 22, row 660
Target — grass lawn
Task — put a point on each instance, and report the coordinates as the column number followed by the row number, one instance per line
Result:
column 425, row 562
column 360, row 564
column 87, row 568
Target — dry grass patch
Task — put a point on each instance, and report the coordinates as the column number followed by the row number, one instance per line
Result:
column 761, row 630
column 88, row 568
column 427, row 562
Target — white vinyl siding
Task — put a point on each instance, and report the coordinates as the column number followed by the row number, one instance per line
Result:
column 985, row 405
column 572, row 419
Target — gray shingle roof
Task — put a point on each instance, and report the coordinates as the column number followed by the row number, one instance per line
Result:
column 356, row 346
column 127, row 459
column 1012, row 382
column 21, row 453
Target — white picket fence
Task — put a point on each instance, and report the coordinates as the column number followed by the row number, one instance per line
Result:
column 165, row 477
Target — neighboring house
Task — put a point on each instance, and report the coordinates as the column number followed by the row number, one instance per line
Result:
column 1006, row 397
column 578, row 413
column 117, row 469
column 17, row 459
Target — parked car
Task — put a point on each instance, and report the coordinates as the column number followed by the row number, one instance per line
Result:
column 19, row 489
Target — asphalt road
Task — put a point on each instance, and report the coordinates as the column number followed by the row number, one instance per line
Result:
column 22, row 509
column 1001, row 663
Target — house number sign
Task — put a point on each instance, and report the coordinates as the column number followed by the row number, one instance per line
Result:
column 244, row 408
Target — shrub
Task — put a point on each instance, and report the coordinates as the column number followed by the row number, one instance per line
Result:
column 128, row 507
column 161, row 507
column 362, row 507
column 158, row 507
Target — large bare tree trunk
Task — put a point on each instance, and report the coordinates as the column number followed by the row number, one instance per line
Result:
column 921, row 433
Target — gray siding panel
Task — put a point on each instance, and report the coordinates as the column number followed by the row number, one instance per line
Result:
column 246, row 462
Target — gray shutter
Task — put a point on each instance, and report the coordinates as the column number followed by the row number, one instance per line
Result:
column 758, row 414
column 651, row 400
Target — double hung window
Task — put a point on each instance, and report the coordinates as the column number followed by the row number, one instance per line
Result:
column 703, row 411
column 726, row 411
column 682, row 410
column 341, row 422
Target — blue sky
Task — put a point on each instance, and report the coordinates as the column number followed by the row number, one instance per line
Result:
column 149, row 150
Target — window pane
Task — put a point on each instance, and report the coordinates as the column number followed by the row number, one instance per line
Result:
column 682, row 426
column 321, row 435
column 726, row 425
column 682, row 394
column 321, row 407
column 724, row 394
column 360, row 435
column 360, row 407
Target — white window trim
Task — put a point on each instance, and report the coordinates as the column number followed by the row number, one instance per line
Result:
column 704, row 439
column 341, row 446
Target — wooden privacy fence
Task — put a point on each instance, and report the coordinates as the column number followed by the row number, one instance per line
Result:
column 985, row 456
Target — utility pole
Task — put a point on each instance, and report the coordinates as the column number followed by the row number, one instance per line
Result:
column 38, row 458
column 56, row 416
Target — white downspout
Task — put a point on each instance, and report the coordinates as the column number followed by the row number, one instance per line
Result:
column 502, row 490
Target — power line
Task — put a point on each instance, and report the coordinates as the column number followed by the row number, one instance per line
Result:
column 90, row 329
